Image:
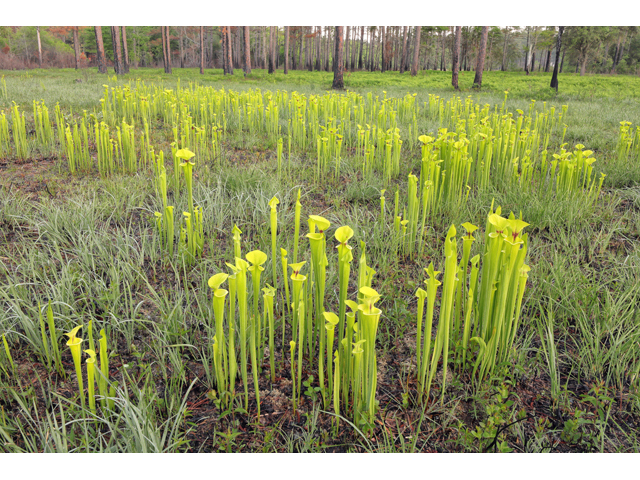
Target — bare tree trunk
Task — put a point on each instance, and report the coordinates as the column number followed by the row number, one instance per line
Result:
column 403, row 59
column 135, row 48
column 307, row 51
column 455, row 61
column 247, row 51
column 167, row 51
column 272, row 49
column 263, row 40
column 346, row 47
column 286, row 50
column 443, row 60
column 202, row 50
column 76, row 47
column 361, row 47
column 327, row 49
column 300, row 37
column 504, row 52
column 482, row 51
column 229, row 50
column 115, row 39
column 338, row 81
column 548, row 62
column 125, row 47
column 318, row 38
column 39, row 47
column 554, row 77
column 527, row 54
column 181, row 47
column 223, row 42
column 416, row 52
column 102, row 64
column 383, row 42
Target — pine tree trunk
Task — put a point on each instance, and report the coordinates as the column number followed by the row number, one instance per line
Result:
column 223, row 43
column 403, row 59
column 300, row 37
column 247, row 51
column 455, row 60
column 102, row 64
column 76, row 47
column 504, row 53
column 443, row 60
column 383, row 45
column 482, row 51
column 327, row 48
column 526, row 54
column 286, row 50
column 115, row 41
column 554, row 77
column 347, row 44
column 125, row 48
column 39, row 47
column 202, row 50
column 167, row 49
column 264, row 46
column 181, row 47
column 360, row 64
column 416, row 52
column 338, row 81
column 135, row 48
column 229, row 51
column 307, row 52
column 272, row 49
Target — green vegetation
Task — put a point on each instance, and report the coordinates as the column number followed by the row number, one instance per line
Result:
column 527, row 342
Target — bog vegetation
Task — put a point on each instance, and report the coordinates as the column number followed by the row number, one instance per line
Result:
column 198, row 264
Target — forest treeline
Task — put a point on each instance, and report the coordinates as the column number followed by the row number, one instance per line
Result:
column 584, row 49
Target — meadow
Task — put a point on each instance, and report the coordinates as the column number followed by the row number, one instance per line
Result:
column 202, row 263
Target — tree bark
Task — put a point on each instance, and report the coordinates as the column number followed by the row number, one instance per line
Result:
column 125, row 48
column 223, row 42
column 308, row 55
column 181, row 46
column 583, row 64
column 504, row 52
column 548, row 62
column 39, row 47
column 477, row 81
column 166, row 49
column 360, row 64
column 202, row 50
column 338, row 80
column 247, row 51
column 229, row 52
column 403, row 59
column 554, row 77
column 383, row 44
column 286, row 50
column 455, row 61
column 327, row 49
column 346, row 47
column 318, row 37
column 115, row 41
column 76, row 47
column 416, row 52
column 271, row 49
column 443, row 60
column 102, row 64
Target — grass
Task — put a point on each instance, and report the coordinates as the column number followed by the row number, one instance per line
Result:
column 88, row 245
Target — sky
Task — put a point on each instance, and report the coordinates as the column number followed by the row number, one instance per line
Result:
column 300, row 12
